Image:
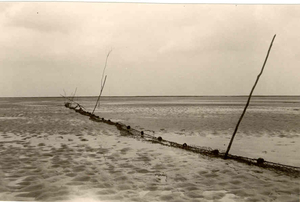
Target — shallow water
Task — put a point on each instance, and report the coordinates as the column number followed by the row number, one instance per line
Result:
column 270, row 128
column 205, row 115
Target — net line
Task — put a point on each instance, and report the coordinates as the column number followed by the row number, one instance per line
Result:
column 126, row 130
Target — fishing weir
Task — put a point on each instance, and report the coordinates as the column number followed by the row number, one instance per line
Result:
column 127, row 131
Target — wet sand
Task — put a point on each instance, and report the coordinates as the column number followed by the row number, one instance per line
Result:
column 48, row 152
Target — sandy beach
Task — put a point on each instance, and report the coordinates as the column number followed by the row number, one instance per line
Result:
column 173, row 82
column 51, row 153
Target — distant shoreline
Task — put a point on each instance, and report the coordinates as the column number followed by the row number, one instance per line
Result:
column 95, row 96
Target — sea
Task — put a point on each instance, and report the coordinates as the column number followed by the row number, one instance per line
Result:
column 270, row 127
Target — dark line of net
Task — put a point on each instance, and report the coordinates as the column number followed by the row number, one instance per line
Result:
column 141, row 135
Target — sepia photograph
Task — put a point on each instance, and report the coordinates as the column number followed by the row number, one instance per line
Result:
column 149, row 102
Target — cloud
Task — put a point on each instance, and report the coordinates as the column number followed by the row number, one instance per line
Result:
column 41, row 18
column 176, row 49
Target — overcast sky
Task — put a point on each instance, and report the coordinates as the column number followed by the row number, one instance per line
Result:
column 158, row 49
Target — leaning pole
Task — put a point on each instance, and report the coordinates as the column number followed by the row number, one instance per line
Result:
column 249, row 98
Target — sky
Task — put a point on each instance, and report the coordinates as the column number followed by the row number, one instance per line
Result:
column 157, row 49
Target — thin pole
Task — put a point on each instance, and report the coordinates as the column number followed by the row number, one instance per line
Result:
column 74, row 94
column 102, row 83
column 105, row 67
column 65, row 94
column 99, row 95
column 237, row 125
column 72, row 101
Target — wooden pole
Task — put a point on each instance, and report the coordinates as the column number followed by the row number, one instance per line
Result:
column 102, row 83
column 72, row 101
column 98, row 100
column 74, row 94
column 101, row 92
column 237, row 125
column 65, row 95
column 105, row 67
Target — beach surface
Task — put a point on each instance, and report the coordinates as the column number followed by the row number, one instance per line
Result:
column 51, row 153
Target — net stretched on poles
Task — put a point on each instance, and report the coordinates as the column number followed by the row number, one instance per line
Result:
column 207, row 151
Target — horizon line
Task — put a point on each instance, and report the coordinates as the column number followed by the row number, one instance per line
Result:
column 152, row 96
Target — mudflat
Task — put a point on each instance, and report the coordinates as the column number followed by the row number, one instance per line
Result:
column 48, row 152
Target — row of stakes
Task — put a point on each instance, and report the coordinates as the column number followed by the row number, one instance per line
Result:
column 215, row 152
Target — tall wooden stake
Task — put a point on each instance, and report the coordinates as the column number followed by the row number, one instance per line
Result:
column 237, row 125
column 65, row 95
column 98, row 100
column 102, row 83
column 72, row 101
column 74, row 94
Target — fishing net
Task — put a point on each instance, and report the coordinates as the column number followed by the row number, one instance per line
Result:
column 214, row 153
